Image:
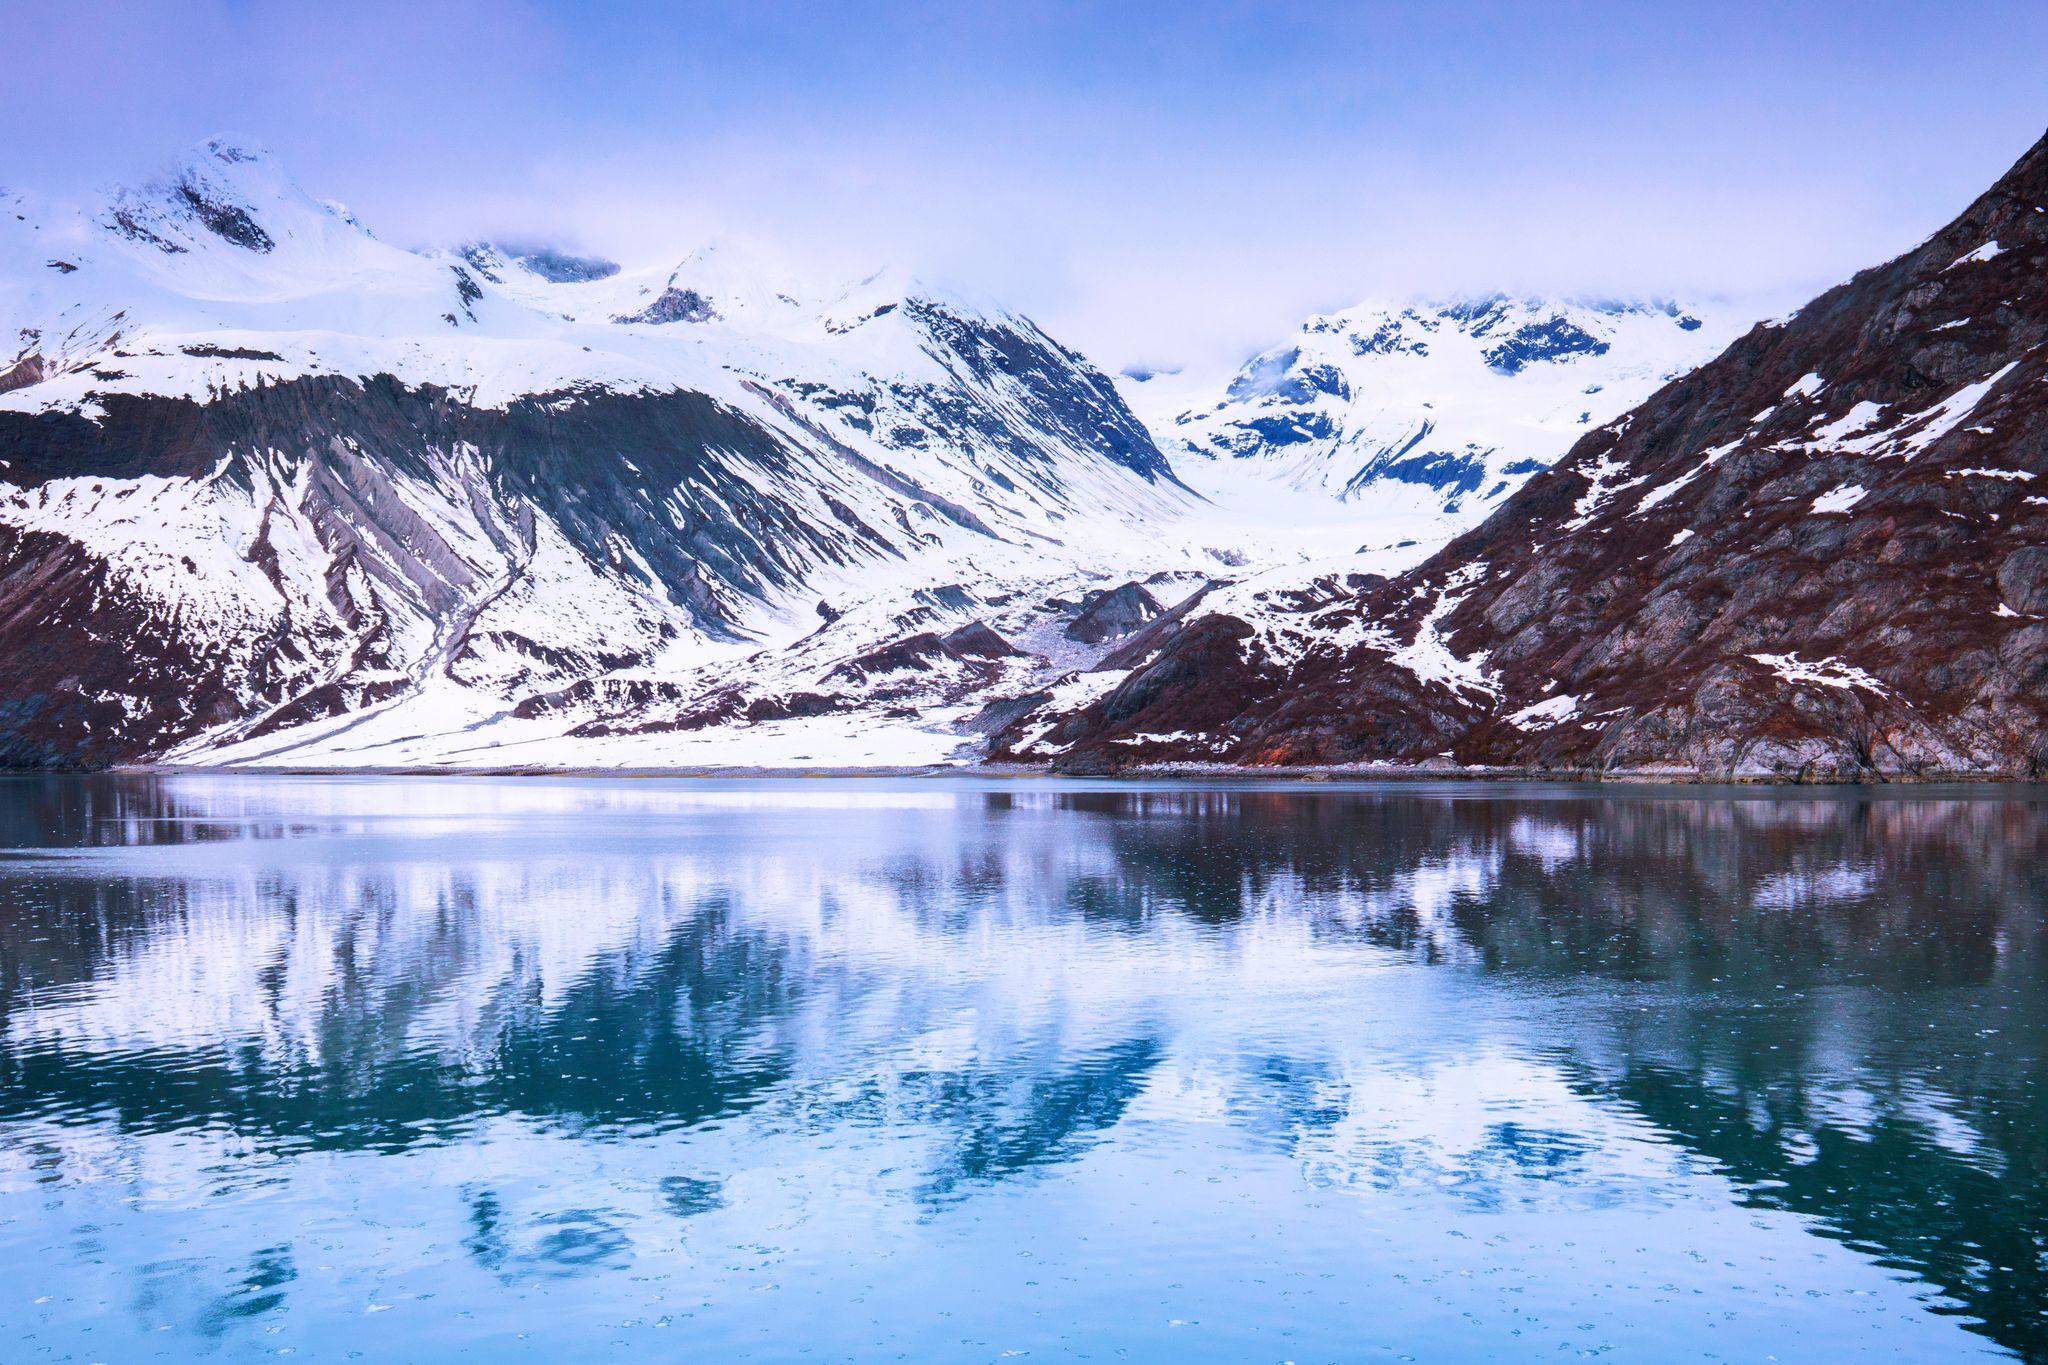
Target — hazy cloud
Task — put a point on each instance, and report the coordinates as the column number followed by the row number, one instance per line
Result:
column 1150, row 180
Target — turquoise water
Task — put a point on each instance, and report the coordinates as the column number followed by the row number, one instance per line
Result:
column 558, row 1070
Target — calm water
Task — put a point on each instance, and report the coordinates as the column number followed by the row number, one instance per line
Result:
column 415, row 1069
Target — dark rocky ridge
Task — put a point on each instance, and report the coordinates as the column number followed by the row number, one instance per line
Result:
column 77, row 640
column 703, row 505
column 1607, row 619
column 1113, row 613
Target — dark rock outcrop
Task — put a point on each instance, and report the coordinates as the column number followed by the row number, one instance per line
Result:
column 674, row 305
column 1113, row 614
column 921, row 652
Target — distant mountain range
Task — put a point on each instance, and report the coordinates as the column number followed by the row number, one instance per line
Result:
column 1464, row 398
column 1821, row 556
column 276, row 492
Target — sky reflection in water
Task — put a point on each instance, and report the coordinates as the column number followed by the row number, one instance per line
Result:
column 558, row 1070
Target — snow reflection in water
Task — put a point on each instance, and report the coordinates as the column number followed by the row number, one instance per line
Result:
column 418, row 1067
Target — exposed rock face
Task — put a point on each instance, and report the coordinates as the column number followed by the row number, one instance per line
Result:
column 1824, row 555
column 674, row 305
column 921, row 652
column 1113, row 614
column 110, row 657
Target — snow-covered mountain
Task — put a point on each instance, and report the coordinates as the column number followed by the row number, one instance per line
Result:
column 275, row 491
column 267, row 481
column 1432, row 406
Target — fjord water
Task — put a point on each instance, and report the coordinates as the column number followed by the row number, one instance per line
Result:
column 562, row 1069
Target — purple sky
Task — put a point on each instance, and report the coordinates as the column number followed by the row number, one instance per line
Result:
column 1152, row 181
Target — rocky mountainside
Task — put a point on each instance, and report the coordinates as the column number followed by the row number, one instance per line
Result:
column 273, row 489
column 1822, row 555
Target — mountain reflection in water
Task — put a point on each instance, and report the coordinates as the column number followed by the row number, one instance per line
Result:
column 956, row 1067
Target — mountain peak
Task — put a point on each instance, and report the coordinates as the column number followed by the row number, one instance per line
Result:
column 1458, row 399
column 227, row 190
column 550, row 263
column 892, row 286
column 231, row 149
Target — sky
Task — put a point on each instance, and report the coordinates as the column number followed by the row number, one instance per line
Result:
column 1156, row 183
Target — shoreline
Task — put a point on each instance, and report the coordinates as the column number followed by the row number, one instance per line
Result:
column 1172, row 772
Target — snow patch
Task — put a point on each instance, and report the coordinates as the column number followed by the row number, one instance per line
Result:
column 1430, row 657
column 1915, row 432
column 1983, row 253
column 1841, row 498
column 1543, row 715
column 1167, row 737
column 1708, row 459
column 1601, row 490
column 1068, row 695
column 2019, row 475
column 1859, row 418
column 1826, row 672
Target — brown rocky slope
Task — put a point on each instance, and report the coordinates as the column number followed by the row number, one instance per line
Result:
column 1822, row 556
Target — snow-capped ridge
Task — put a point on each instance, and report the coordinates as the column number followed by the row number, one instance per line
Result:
column 226, row 191
column 548, row 263
column 1461, row 397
